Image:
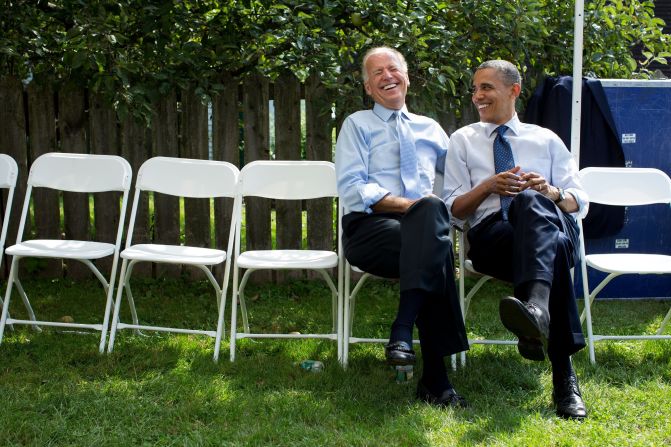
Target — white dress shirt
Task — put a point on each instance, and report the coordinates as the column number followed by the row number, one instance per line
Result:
column 470, row 161
column 368, row 161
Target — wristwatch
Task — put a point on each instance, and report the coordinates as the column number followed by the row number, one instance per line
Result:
column 561, row 197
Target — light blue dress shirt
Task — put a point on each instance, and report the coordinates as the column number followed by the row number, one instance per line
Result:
column 368, row 161
column 470, row 161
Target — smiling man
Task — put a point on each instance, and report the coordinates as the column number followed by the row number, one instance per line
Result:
column 394, row 227
column 516, row 186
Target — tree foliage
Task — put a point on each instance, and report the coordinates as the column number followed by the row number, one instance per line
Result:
column 134, row 51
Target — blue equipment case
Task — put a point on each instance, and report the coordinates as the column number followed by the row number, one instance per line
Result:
column 642, row 114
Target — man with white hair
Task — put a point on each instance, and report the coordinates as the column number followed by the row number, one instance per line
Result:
column 394, row 227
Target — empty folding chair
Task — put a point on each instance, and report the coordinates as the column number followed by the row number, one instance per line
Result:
column 79, row 173
column 181, row 177
column 624, row 187
column 286, row 180
column 8, row 174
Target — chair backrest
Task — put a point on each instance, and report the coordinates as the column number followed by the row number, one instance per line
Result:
column 85, row 173
column 186, row 177
column 289, row 180
column 626, row 186
column 80, row 172
column 8, row 171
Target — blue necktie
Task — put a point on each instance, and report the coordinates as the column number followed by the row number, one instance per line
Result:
column 503, row 161
column 408, row 156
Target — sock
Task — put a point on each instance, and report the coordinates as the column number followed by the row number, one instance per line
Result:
column 561, row 367
column 434, row 373
column 539, row 294
column 408, row 309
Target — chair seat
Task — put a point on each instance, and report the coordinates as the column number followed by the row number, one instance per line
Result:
column 174, row 254
column 630, row 263
column 64, row 249
column 288, row 259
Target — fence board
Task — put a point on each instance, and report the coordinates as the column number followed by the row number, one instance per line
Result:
column 225, row 146
column 72, row 122
column 134, row 148
column 104, row 140
column 289, row 229
column 13, row 142
column 166, row 208
column 195, row 145
column 256, row 116
column 42, row 131
column 319, row 147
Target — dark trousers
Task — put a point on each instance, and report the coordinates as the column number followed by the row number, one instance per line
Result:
column 416, row 248
column 538, row 242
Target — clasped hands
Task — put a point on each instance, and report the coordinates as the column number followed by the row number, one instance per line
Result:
column 512, row 182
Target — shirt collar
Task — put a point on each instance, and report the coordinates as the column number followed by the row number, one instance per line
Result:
column 513, row 126
column 384, row 113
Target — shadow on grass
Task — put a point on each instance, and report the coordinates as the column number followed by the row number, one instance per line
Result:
column 165, row 388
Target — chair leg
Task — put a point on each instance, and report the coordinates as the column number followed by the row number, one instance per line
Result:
column 590, row 332
column 117, row 305
column 108, row 307
column 129, row 294
column 26, row 302
column 352, row 300
column 2, row 303
column 8, row 294
column 241, row 297
column 220, row 324
column 234, row 315
column 345, row 317
column 210, row 277
column 96, row 272
column 339, row 331
column 664, row 322
column 334, row 299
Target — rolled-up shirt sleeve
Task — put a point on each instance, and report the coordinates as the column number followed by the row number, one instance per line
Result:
column 351, row 159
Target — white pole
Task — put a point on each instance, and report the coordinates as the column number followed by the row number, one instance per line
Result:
column 577, row 78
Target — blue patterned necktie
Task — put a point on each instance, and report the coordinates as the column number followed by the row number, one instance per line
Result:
column 503, row 161
column 408, row 156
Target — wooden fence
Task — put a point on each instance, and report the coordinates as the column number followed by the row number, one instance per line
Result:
column 35, row 119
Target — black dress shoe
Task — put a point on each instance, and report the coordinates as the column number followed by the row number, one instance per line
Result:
column 531, row 349
column 529, row 323
column 399, row 353
column 566, row 396
column 448, row 398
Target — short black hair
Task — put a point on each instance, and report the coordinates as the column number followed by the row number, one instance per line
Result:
column 508, row 71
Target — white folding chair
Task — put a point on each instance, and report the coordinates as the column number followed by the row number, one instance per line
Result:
column 623, row 187
column 9, row 171
column 286, row 180
column 202, row 179
column 80, row 173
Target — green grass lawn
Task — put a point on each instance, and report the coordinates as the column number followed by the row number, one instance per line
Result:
column 165, row 389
